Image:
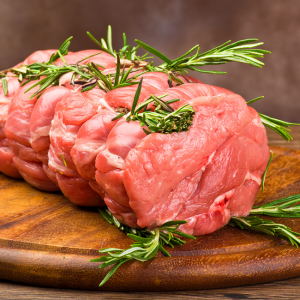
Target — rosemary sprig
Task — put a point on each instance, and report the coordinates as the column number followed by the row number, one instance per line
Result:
column 107, row 47
column 89, row 75
column 147, row 243
column 281, row 127
column 287, row 207
column 36, row 70
column 163, row 119
column 127, row 52
column 266, row 226
column 63, row 50
column 241, row 51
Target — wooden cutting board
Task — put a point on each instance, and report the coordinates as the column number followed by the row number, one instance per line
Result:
column 45, row 240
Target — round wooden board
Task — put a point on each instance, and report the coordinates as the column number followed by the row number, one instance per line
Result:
column 45, row 240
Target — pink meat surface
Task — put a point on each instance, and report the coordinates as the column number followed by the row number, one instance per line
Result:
column 40, row 124
column 39, row 56
column 153, row 82
column 17, row 130
column 104, row 59
column 7, row 165
column 204, row 176
column 70, row 114
column 91, row 139
column 41, row 118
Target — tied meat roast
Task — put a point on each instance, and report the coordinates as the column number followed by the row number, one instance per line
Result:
column 66, row 140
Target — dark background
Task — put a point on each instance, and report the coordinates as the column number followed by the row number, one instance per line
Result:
column 173, row 27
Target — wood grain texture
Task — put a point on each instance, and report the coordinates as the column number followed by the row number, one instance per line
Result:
column 279, row 290
column 203, row 246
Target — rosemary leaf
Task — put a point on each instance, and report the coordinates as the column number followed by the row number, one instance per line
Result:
column 4, row 86
column 94, row 39
column 238, row 43
column 117, row 76
column 184, row 55
column 104, row 45
column 124, row 39
column 255, row 99
column 106, row 216
column 88, row 87
column 136, row 96
column 109, row 39
column 265, row 173
column 25, row 82
column 62, row 58
column 89, row 56
column 153, row 51
column 46, row 84
column 63, row 50
column 279, row 126
column 125, row 75
column 113, row 270
column 118, row 116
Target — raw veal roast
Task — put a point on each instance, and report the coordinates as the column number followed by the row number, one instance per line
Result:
column 66, row 140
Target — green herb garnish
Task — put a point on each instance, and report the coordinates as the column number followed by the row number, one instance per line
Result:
column 4, row 86
column 279, row 126
column 147, row 243
column 163, row 119
column 287, row 207
column 266, row 170
column 89, row 75
column 127, row 52
column 241, row 51
column 105, row 46
column 63, row 50
column 255, row 99
column 266, row 226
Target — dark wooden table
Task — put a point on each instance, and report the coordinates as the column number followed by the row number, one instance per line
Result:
column 285, row 289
